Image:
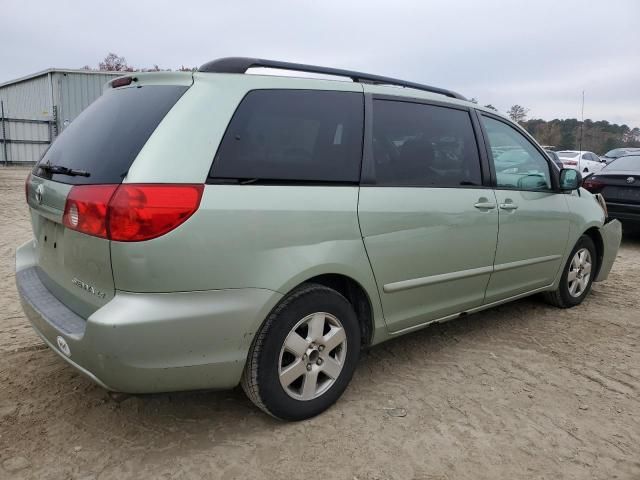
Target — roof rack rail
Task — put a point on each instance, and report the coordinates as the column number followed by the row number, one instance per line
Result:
column 242, row 64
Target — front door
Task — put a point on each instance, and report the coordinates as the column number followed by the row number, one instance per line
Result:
column 533, row 217
column 428, row 223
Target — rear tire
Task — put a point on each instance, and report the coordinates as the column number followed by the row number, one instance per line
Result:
column 304, row 356
column 577, row 276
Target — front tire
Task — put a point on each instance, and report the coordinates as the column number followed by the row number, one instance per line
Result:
column 304, row 356
column 577, row 276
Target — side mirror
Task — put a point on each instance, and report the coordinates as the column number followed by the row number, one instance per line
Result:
column 570, row 179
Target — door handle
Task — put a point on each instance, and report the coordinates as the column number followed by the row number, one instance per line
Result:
column 508, row 206
column 485, row 205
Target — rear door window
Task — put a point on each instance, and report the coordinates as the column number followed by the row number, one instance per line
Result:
column 423, row 145
column 107, row 136
column 293, row 135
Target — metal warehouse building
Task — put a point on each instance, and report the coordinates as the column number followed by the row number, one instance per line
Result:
column 36, row 108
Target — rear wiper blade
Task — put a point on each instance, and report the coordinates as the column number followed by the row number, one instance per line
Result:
column 64, row 170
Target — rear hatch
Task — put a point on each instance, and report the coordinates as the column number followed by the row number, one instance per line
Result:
column 624, row 188
column 97, row 148
column 620, row 180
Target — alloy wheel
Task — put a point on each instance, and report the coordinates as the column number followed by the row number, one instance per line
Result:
column 312, row 357
column 579, row 272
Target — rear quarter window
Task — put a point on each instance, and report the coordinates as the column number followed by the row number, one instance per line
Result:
column 293, row 135
column 107, row 136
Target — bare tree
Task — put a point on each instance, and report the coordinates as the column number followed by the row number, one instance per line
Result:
column 156, row 68
column 518, row 113
column 113, row 63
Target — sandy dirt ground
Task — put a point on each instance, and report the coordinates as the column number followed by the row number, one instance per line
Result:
column 521, row 391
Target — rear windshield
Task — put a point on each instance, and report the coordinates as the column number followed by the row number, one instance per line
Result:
column 630, row 163
column 106, row 137
column 615, row 153
column 567, row 154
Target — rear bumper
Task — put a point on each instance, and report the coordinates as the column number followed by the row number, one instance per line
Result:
column 152, row 342
column 611, row 234
column 624, row 212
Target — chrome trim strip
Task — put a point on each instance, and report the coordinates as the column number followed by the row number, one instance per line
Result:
column 472, row 272
column 430, row 280
column 524, row 263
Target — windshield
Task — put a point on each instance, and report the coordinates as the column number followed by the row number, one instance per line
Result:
column 567, row 154
column 629, row 163
column 108, row 135
column 615, row 153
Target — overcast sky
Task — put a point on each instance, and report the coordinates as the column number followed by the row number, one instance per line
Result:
column 538, row 53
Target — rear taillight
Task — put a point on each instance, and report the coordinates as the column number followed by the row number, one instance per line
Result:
column 592, row 184
column 86, row 209
column 142, row 212
column 130, row 212
column 570, row 162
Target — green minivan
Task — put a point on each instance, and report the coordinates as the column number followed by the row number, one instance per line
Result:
column 208, row 229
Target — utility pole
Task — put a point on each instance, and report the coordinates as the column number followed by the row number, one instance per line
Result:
column 4, row 135
column 581, row 122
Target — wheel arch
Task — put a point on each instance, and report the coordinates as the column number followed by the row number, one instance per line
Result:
column 356, row 295
column 596, row 237
column 367, row 311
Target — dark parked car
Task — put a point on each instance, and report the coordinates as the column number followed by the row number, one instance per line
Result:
column 619, row 184
column 611, row 155
column 556, row 159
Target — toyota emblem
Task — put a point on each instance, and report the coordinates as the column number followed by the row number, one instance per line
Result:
column 39, row 193
column 631, row 179
column 63, row 346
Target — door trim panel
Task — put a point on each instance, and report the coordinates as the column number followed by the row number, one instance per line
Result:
column 471, row 310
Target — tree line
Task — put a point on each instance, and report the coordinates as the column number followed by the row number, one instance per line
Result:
column 572, row 134
column 115, row 63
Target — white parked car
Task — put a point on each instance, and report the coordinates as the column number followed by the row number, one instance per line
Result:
column 584, row 162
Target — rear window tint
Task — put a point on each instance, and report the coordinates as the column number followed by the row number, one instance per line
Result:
column 293, row 135
column 106, row 137
column 423, row 145
column 630, row 163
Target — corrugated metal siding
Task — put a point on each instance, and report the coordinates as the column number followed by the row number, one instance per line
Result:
column 27, row 131
column 76, row 91
column 25, row 152
column 30, row 99
column 33, row 99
